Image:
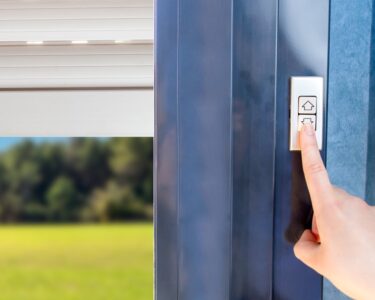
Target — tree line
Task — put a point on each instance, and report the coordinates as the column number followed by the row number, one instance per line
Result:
column 81, row 180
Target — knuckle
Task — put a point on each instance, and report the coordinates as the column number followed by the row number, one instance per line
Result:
column 297, row 251
column 339, row 192
column 336, row 203
column 304, row 256
column 315, row 167
column 336, row 209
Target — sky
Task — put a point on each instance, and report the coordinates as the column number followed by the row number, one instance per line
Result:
column 8, row 142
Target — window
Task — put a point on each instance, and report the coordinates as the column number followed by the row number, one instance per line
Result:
column 83, row 69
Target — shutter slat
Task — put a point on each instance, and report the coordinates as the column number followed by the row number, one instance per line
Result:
column 70, row 83
column 76, row 50
column 96, row 61
column 111, row 35
column 75, row 13
column 19, row 4
column 77, row 25
column 72, row 72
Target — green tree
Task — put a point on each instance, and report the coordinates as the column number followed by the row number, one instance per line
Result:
column 87, row 161
column 63, row 200
column 131, row 161
column 22, row 169
column 19, row 179
column 11, row 207
column 115, row 202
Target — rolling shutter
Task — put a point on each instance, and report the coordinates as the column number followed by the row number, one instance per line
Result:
column 76, row 68
column 76, row 43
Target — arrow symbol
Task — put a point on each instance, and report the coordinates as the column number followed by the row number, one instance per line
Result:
column 307, row 121
column 308, row 106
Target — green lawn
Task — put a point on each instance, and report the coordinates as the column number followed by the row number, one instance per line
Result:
column 76, row 262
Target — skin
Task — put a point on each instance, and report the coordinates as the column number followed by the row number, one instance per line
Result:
column 341, row 244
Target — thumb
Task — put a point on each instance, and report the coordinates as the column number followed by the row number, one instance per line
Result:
column 307, row 249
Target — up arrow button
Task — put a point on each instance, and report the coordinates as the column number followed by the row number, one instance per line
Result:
column 307, row 105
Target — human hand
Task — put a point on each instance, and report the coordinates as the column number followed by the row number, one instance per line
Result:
column 341, row 244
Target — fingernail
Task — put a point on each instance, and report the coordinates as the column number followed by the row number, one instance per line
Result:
column 308, row 129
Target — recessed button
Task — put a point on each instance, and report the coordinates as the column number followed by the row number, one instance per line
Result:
column 307, row 105
column 306, row 119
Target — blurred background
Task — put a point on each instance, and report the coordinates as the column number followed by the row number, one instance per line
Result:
column 77, row 218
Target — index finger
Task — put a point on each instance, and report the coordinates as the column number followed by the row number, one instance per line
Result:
column 316, row 175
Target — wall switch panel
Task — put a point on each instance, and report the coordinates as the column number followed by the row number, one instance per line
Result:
column 306, row 107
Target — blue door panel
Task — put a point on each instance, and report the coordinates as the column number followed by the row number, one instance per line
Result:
column 226, row 212
column 254, row 64
column 193, row 64
column 204, row 146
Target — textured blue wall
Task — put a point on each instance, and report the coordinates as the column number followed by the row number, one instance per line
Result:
column 350, row 142
column 370, row 192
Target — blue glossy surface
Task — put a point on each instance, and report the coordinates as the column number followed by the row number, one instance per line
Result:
column 165, row 152
column 351, row 130
column 193, row 144
column 254, row 61
column 205, row 157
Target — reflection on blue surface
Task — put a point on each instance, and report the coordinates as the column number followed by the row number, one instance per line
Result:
column 193, row 149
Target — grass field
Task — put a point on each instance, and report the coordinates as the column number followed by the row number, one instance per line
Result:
column 76, row 262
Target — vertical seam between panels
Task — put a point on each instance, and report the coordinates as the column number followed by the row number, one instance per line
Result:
column 231, row 159
column 274, row 147
column 325, row 115
column 155, row 160
column 371, row 59
column 327, row 84
column 178, row 148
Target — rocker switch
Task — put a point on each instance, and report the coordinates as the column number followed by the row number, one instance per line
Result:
column 306, row 107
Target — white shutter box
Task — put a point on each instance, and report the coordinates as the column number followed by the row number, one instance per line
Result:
column 76, row 44
column 77, row 113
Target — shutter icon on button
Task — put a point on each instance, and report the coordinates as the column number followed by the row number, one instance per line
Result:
column 307, row 105
column 306, row 119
